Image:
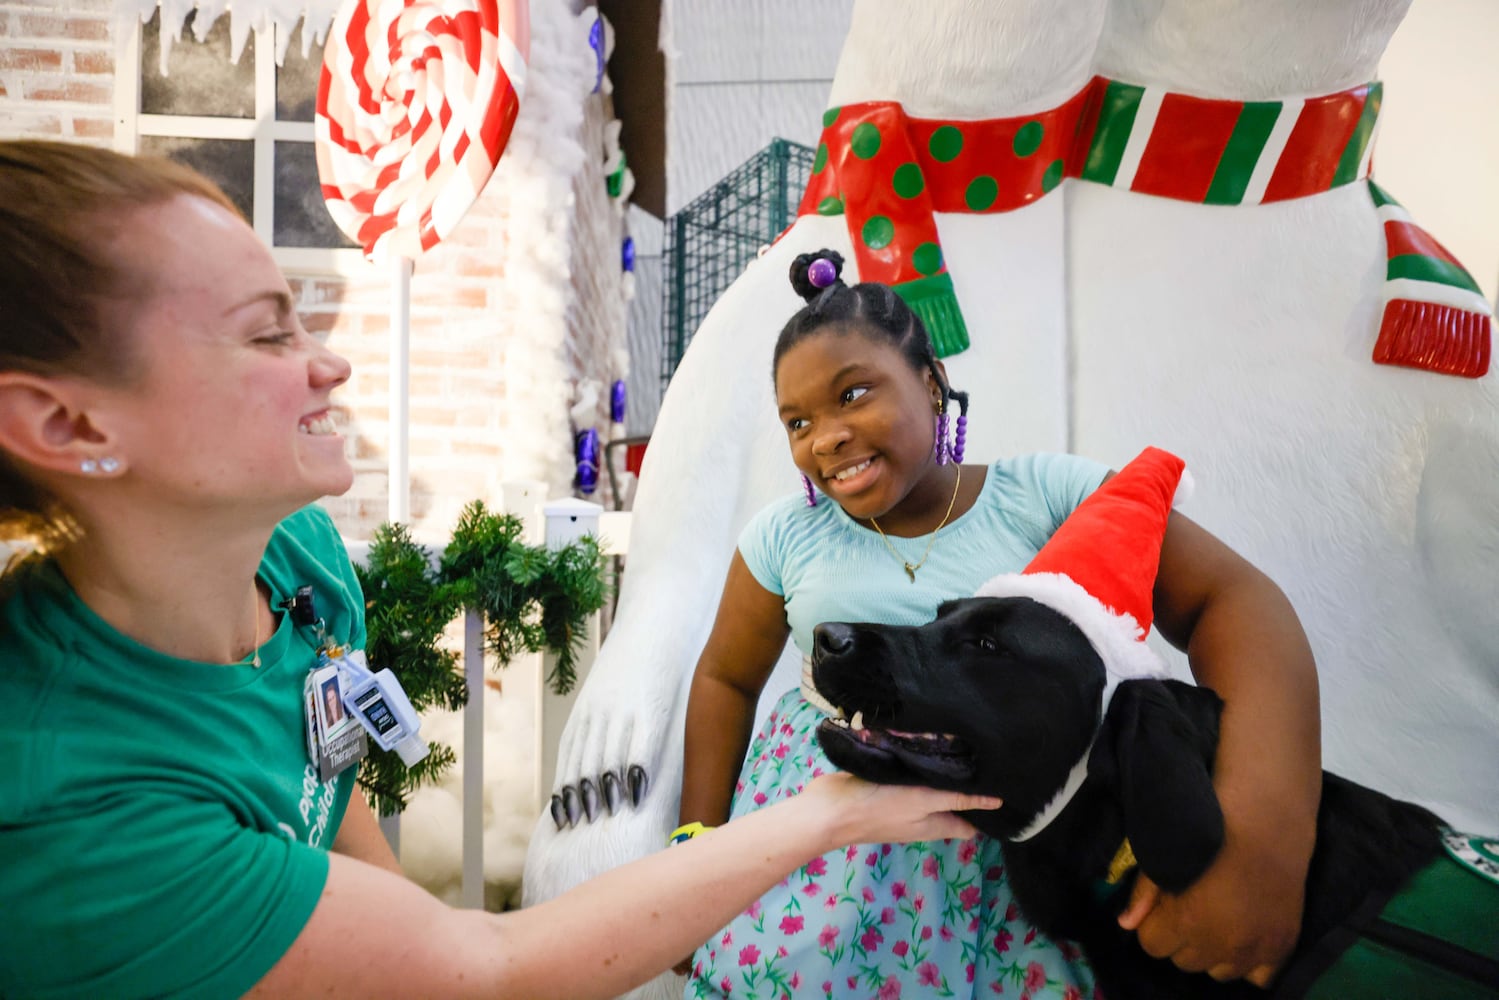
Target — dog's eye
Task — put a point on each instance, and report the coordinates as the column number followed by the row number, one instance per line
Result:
column 987, row 644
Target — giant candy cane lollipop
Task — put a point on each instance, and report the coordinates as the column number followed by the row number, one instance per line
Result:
column 416, row 100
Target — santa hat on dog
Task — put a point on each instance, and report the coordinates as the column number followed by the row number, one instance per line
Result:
column 1099, row 568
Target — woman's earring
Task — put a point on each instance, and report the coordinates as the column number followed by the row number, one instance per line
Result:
column 807, row 489
column 959, row 439
column 940, row 445
column 94, row 466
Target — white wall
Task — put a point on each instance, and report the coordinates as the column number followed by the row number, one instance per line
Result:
column 745, row 73
column 1441, row 76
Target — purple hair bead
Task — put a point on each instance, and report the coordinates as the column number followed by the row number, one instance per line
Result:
column 807, row 489
column 941, row 443
column 822, row 273
column 962, row 436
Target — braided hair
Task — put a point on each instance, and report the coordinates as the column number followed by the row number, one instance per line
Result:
column 874, row 309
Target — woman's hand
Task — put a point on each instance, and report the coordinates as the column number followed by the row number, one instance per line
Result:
column 860, row 812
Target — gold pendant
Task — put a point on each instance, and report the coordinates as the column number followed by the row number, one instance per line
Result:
column 910, row 572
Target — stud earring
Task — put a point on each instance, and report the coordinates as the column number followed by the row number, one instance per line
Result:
column 109, row 465
column 88, row 466
column 809, row 491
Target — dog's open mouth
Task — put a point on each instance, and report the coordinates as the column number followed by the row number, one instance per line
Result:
column 894, row 755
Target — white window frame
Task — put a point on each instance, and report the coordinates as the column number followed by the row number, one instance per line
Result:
column 264, row 130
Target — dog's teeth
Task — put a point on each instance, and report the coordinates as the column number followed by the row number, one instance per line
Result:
column 857, row 722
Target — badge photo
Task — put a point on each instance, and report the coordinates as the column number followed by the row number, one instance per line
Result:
column 333, row 719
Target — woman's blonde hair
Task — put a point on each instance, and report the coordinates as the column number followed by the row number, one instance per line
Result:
column 58, row 201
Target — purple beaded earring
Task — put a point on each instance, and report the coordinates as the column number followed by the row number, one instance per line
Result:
column 959, row 438
column 809, row 491
column 940, row 445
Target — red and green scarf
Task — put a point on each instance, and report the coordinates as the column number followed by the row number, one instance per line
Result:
column 889, row 174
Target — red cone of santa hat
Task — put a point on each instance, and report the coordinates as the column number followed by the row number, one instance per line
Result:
column 1099, row 568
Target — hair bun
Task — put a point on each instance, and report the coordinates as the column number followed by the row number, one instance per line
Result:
column 811, row 273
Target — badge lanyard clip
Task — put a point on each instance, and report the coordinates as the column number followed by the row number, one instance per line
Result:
column 375, row 698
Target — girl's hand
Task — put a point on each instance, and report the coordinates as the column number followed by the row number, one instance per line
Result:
column 860, row 812
column 1239, row 921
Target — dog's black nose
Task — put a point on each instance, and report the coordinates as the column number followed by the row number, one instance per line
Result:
column 832, row 638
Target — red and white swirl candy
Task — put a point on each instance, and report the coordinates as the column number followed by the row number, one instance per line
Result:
column 414, row 106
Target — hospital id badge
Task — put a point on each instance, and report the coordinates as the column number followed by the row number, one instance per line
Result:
column 335, row 741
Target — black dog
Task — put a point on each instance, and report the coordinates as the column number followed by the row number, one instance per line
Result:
column 1002, row 696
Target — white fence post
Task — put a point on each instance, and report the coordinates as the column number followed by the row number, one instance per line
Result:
column 471, row 891
column 524, row 677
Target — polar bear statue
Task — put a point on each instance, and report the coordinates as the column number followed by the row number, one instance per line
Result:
column 1118, row 295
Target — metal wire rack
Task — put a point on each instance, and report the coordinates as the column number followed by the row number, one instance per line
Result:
column 711, row 239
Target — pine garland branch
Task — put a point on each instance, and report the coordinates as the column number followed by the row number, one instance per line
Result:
column 532, row 599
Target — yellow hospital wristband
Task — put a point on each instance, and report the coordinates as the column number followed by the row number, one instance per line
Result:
column 686, row 832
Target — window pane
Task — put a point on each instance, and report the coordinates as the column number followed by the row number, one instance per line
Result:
column 301, row 216
column 230, row 163
column 200, row 79
column 296, row 80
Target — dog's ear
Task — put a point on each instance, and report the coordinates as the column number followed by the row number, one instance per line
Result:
column 1157, row 760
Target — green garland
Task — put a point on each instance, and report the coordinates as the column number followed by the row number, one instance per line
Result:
column 533, row 599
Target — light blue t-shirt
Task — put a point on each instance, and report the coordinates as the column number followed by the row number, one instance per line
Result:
column 830, row 568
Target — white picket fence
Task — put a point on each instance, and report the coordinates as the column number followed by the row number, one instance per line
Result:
column 555, row 523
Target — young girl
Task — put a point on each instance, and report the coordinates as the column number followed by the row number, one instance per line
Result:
column 889, row 525
column 164, row 422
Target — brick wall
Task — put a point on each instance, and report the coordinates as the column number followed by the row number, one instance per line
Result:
column 488, row 402
column 57, row 70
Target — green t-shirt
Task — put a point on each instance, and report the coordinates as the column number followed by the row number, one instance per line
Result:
column 162, row 832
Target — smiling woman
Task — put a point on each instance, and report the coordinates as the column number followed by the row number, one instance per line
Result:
column 177, row 816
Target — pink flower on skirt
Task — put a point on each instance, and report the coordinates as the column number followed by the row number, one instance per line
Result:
column 791, row 925
column 828, row 935
column 1035, row 977
column 749, row 955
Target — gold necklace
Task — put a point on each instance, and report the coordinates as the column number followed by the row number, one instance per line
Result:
column 911, row 570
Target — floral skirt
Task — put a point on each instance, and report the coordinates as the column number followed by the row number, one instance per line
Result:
column 922, row 920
